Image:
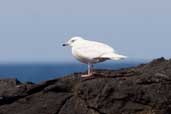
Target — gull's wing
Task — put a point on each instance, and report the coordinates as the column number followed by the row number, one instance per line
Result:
column 91, row 50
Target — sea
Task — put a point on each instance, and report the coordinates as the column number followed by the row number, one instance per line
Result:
column 38, row 72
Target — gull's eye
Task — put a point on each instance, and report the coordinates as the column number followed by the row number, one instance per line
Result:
column 72, row 41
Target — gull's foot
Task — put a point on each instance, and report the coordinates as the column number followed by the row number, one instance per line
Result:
column 86, row 75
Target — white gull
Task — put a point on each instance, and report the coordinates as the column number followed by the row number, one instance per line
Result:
column 91, row 52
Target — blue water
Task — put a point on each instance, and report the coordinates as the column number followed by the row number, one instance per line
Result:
column 40, row 72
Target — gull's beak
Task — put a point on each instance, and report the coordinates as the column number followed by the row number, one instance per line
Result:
column 66, row 44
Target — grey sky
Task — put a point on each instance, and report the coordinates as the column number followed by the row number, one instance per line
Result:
column 84, row 7
column 33, row 30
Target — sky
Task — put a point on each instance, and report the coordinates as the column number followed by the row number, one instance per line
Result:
column 34, row 30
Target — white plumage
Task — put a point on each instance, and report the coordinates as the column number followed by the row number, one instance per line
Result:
column 91, row 52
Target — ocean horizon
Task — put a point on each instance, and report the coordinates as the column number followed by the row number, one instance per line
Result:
column 37, row 72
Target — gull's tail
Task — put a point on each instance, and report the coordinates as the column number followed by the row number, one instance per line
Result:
column 114, row 56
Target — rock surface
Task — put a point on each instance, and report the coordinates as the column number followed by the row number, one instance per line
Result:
column 145, row 89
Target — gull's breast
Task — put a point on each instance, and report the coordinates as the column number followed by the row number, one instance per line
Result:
column 82, row 56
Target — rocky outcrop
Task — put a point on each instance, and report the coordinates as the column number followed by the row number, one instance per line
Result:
column 145, row 89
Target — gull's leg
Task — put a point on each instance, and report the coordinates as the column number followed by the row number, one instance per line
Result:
column 90, row 69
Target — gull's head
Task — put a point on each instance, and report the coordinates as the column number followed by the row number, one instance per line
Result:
column 73, row 41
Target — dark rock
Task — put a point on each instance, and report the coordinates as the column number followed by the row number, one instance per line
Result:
column 145, row 89
column 12, row 90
